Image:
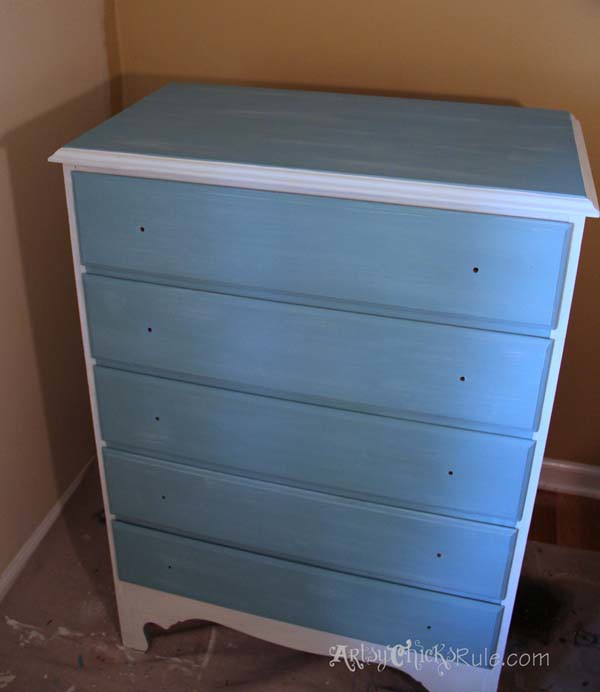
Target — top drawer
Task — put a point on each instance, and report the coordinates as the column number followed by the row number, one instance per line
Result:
column 497, row 272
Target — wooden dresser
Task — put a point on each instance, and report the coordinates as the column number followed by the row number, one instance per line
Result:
column 323, row 334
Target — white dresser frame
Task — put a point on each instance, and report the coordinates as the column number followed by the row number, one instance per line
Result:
column 138, row 605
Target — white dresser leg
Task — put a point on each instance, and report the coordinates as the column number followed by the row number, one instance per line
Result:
column 132, row 620
column 132, row 635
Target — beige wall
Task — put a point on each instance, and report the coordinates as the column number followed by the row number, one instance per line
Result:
column 54, row 83
column 543, row 53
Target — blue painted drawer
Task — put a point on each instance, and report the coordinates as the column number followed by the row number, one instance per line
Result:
column 456, row 267
column 398, row 462
column 468, row 377
column 366, row 609
column 420, row 549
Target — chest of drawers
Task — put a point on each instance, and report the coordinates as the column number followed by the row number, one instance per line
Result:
column 323, row 335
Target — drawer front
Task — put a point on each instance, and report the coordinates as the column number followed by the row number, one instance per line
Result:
column 458, row 267
column 365, row 609
column 420, row 549
column 361, row 362
column 435, row 468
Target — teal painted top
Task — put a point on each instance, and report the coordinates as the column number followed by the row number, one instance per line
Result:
column 411, row 139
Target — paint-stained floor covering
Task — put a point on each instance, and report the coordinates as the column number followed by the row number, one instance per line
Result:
column 58, row 629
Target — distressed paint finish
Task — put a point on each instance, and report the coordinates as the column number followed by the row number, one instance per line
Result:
column 538, row 160
column 463, row 268
column 395, row 462
column 335, row 602
column 451, row 555
column 439, row 141
column 380, row 365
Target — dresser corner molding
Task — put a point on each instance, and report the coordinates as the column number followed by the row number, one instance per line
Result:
column 586, row 171
column 419, row 193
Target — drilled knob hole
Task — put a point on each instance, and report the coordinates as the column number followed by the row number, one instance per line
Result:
column 462, row 378
column 450, row 473
column 156, row 417
column 428, row 627
column 163, row 497
column 168, row 566
column 142, row 229
column 149, row 329
column 438, row 555
column 475, row 270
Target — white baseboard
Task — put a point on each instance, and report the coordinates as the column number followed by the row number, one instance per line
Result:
column 570, row 477
column 15, row 567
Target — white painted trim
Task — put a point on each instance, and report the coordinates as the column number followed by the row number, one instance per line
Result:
column 17, row 564
column 584, row 163
column 571, row 478
column 324, row 184
column 89, row 365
